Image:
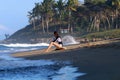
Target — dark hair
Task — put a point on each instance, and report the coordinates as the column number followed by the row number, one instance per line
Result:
column 55, row 32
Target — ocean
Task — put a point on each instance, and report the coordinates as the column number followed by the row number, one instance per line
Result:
column 21, row 69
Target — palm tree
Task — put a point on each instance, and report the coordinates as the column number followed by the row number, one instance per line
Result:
column 71, row 6
column 35, row 14
column 42, row 11
column 31, row 19
column 48, row 4
column 60, row 9
column 116, row 6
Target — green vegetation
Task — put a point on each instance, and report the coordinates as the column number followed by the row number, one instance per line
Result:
column 98, row 16
column 104, row 35
column 95, row 1
column 94, row 15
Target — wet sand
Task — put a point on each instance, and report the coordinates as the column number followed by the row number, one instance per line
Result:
column 99, row 61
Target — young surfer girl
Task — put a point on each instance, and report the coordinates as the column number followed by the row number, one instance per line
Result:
column 57, row 42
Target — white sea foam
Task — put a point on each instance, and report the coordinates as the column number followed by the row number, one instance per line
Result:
column 40, row 73
column 67, row 73
column 68, row 40
column 21, row 69
column 12, row 50
column 5, row 48
column 25, row 45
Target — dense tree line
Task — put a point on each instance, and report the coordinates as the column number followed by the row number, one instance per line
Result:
column 93, row 15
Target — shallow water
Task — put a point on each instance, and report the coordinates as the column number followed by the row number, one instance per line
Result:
column 21, row 69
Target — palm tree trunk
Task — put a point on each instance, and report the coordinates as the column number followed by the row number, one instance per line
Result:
column 69, row 15
column 108, row 23
column 92, row 24
column 60, row 21
column 34, row 24
column 43, row 27
column 116, row 14
column 112, row 21
column 47, row 25
column 98, row 25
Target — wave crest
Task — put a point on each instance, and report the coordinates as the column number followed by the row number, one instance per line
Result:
column 24, row 45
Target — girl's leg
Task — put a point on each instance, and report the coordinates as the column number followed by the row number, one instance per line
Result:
column 58, row 46
column 55, row 44
column 50, row 45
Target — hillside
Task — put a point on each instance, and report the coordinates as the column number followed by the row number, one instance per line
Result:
column 29, row 35
column 69, row 18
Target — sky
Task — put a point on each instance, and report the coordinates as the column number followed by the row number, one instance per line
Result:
column 13, row 15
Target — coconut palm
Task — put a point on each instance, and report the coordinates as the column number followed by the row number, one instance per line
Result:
column 42, row 20
column 60, row 5
column 116, row 7
column 48, row 5
column 31, row 19
column 71, row 6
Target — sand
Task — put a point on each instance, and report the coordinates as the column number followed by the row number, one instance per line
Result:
column 100, row 60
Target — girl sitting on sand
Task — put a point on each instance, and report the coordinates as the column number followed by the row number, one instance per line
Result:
column 57, row 42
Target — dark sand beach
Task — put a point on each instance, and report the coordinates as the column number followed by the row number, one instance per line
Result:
column 99, row 61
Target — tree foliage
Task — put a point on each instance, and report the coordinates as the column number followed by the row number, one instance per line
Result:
column 94, row 15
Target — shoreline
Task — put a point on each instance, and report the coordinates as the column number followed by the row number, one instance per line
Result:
column 99, row 62
column 68, row 48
